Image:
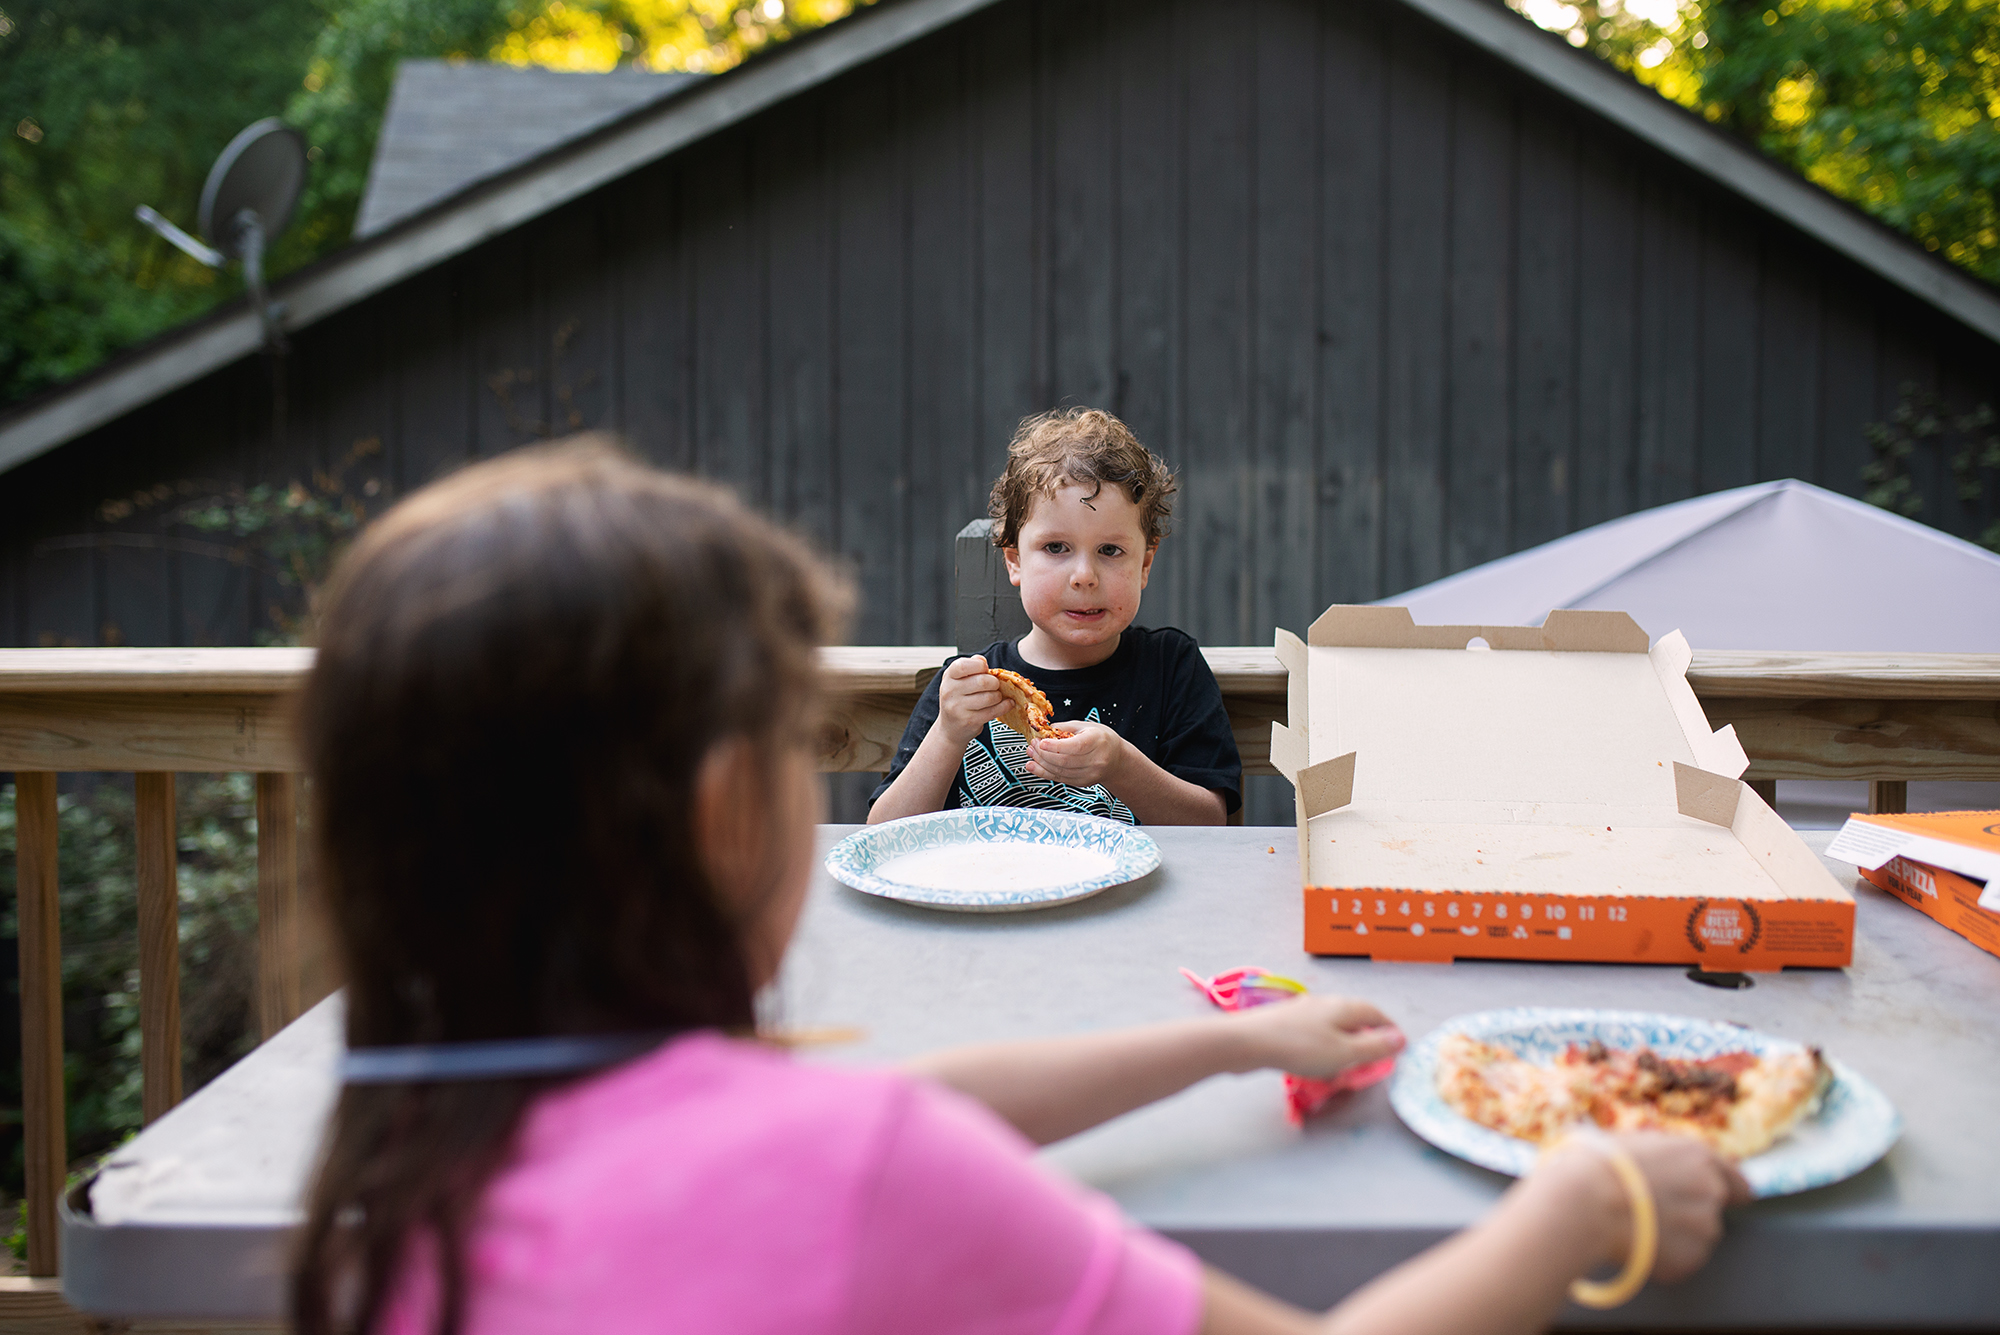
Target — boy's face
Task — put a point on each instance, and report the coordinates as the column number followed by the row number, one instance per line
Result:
column 1081, row 564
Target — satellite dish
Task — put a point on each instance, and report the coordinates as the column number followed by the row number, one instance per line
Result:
column 248, row 200
column 260, row 174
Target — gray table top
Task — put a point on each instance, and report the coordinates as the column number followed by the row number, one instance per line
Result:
column 1310, row 1213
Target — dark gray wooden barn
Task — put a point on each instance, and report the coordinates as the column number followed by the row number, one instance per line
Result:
column 1399, row 285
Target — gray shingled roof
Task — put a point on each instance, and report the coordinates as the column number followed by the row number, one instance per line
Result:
column 450, row 124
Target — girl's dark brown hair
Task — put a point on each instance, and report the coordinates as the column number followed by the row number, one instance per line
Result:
column 520, row 671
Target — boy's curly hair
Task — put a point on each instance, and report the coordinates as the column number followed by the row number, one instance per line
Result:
column 1081, row 446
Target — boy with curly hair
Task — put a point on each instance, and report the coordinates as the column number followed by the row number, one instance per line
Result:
column 1079, row 514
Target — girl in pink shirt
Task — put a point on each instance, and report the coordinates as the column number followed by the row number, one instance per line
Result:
column 561, row 739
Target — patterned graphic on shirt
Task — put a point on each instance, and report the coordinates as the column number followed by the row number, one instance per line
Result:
column 996, row 775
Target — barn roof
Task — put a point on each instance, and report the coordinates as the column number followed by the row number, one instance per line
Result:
column 703, row 107
column 451, row 124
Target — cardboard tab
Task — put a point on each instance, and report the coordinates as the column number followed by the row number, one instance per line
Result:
column 1327, row 786
column 1705, row 796
column 1288, row 752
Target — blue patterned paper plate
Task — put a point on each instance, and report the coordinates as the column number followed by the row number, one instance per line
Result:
column 992, row 859
column 1855, row 1125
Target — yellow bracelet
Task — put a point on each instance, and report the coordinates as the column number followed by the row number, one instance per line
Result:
column 1645, row 1247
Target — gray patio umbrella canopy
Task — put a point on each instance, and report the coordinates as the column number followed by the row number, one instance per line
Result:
column 1779, row 565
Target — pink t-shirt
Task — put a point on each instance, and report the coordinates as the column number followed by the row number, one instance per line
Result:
column 719, row 1186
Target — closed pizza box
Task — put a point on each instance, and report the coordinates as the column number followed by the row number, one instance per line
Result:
column 1546, row 793
column 1944, row 863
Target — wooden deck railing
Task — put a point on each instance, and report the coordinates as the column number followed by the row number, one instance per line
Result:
column 1886, row 719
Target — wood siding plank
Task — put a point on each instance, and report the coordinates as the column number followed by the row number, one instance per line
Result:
column 1479, row 464
column 1080, row 131
column 1788, row 388
column 656, row 342
column 1607, row 342
column 432, row 383
column 1546, row 348
column 944, row 453
column 510, row 362
column 1730, row 340
column 872, row 314
column 1008, row 184
column 1419, row 277
column 791, row 180
column 578, row 319
column 1216, row 454
column 1353, row 186
column 1284, row 348
column 1669, row 341
column 728, row 285
column 1147, row 293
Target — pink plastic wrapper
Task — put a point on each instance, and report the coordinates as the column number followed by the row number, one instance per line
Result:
column 1240, row 989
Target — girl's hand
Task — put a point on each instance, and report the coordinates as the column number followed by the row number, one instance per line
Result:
column 968, row 696
column 1691, row 1186
column 1091, row 755
column 1315, row 1037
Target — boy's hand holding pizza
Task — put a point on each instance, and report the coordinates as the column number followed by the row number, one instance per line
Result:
column 969, row 697
column 1090, row 755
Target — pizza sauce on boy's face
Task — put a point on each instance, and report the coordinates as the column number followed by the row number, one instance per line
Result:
column 1081, row 564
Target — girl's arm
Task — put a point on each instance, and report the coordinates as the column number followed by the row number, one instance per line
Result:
column 1050, row 1088
column 1509, row 1272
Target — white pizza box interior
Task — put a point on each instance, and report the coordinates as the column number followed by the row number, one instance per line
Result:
column 1549, row 792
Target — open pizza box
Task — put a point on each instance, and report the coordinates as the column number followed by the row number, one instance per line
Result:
column 1550, row 793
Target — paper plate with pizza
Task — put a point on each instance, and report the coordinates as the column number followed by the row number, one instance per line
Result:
column 1495, row 1087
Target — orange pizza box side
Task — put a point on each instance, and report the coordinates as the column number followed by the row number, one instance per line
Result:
column 1966, row 843
column 1547, row 792
column 1942, row 895
column 1726, row 935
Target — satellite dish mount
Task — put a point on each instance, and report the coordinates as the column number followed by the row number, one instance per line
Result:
column 246, row 205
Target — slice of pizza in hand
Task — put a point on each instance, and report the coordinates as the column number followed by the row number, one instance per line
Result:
column 1739, row 1103
column 1027, row 708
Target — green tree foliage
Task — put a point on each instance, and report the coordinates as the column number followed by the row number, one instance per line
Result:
column 1892, row 104
column 108, row 104
column 105, row 105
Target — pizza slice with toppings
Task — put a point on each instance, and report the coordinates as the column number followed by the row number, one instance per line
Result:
column 1028, row 709
column 1740, row 1103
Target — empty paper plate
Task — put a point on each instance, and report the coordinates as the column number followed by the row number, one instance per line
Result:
column 992, row 859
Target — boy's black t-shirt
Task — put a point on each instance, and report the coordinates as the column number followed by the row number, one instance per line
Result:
column 1155, row 691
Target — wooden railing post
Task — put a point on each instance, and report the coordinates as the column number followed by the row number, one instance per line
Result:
column 1889, row 797
column 279, row 965
column 159, row 945
column 40, row 928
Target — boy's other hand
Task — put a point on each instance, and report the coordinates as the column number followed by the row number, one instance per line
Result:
column 1090, row 755
column 968, row 697
column 1316, row 1037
